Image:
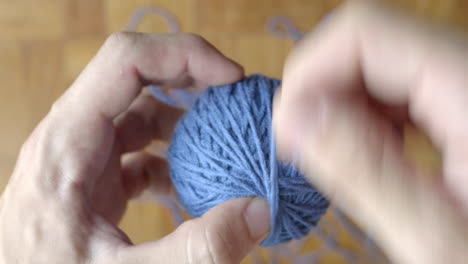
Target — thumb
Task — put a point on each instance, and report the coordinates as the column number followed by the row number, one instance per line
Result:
column 354, row 155
column 225, row 234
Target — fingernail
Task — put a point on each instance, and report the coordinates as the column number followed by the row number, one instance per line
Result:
column 257, row 217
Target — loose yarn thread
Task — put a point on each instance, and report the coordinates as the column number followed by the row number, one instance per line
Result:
column 223, row 149
column 283, row 27
column 144, row 11
column 176, row 98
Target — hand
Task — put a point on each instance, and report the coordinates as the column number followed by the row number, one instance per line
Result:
column 70, row 188
column 345, row 89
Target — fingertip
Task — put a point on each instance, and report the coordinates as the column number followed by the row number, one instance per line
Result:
column 228, row 71
column 238, row 69
column 209, row 65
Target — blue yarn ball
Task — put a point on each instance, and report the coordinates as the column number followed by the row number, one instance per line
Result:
column 223, row 149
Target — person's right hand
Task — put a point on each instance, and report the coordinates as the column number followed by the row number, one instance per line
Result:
column 344, row 89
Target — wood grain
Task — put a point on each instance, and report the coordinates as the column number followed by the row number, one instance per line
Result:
column 44, row 44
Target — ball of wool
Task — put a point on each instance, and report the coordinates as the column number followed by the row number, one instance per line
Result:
column 223, row 148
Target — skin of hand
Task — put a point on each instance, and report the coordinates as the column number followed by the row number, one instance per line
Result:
column 345, row 87
column 84, row 161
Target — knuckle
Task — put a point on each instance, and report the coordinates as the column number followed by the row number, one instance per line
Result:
column 41, row 151
column 194, row 40
column 359, row 13
column 122, row 40
column 28, row 146
column 219, row 247
column 191, row 37
column 57, row 106
column 34, row 141
column 207, row 244
column 197, row 248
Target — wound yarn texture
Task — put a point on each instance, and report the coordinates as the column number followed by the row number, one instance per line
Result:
column 223, row 149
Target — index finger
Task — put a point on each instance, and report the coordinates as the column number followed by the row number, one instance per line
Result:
column 128, row 61
column 79, row 130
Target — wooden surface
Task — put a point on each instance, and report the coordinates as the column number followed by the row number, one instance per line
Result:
column 44, row 44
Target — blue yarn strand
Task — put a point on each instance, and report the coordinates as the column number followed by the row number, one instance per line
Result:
column 223, row 148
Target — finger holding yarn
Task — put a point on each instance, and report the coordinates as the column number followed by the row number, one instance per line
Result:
column 223, row 149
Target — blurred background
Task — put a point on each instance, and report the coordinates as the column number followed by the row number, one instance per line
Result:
column 44, row 44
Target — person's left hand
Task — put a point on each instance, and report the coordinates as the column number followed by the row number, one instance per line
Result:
column 72, row 180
